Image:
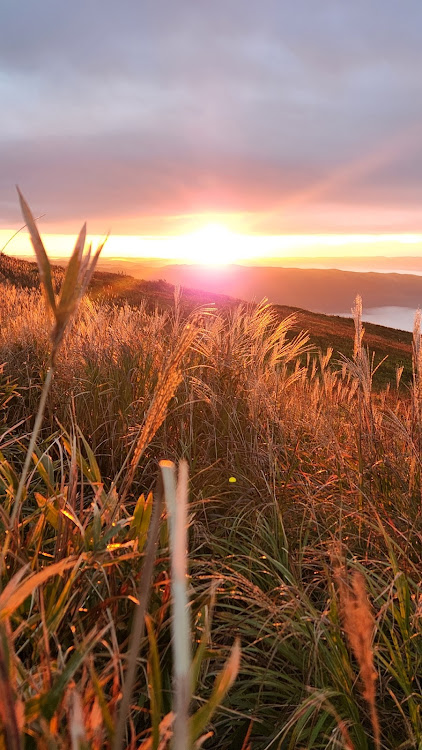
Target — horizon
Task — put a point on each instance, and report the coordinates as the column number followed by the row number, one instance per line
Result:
column 217, row 245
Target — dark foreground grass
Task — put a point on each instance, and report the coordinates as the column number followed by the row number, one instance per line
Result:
column 304, row 534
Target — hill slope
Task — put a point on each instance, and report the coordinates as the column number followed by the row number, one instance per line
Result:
column 325, row 290
column 303, row 503
column 322, row 289
column 324, row 330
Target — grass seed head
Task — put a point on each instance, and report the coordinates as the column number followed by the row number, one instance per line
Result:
column 78, row 274
column 358, row 623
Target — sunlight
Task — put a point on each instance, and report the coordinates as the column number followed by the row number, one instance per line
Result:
column 213, row 244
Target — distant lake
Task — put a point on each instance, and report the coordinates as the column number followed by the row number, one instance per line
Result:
column 394, row 317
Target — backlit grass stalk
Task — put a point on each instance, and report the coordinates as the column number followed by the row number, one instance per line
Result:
column 358, row 622
column 76, row 280
column 176, row 502
column 169, row 379
column 363, row 369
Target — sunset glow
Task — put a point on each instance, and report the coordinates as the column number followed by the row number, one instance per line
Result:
column 205, row 136
column 215, row 244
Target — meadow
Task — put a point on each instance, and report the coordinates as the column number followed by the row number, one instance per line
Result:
column 303, row 526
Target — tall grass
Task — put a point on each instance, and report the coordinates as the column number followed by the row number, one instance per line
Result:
column 301, row 539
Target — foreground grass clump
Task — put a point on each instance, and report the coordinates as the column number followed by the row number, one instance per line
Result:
column 303, row 530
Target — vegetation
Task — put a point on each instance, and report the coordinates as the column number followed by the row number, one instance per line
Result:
column 304, row 528
column 325, row 331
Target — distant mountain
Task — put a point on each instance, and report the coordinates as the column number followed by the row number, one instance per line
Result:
column 322, row 290
column 403, row 264
column 325, row 290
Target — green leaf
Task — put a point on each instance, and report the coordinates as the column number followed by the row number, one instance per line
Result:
column 47, row 505
column 222, row 685
column 202, row 651
column 17, row 590
column 96, row 526
column 49, row 702
column 45, row 469
column 141, row 519
column 93, row 473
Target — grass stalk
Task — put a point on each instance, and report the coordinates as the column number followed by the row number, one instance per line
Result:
column 176, row 502
column 359, row 627
column 27, row 463
column 138, row 626
column 78, row 274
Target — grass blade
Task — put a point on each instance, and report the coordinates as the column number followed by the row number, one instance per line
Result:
column 138, row 627
column 222, row 685
column 70, row 287
column 16, row 591
column 41, row 255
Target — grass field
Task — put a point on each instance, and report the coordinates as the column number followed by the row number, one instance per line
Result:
column 303, row 519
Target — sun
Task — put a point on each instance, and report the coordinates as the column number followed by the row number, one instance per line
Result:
column 213, row 244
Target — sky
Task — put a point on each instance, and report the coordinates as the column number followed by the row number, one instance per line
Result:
column 160, row 117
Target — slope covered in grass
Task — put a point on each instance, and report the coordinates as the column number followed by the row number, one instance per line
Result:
column 324, row 330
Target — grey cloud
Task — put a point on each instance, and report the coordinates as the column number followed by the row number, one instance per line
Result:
column 107, row 105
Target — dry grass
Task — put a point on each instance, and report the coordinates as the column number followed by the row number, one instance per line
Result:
column 320, row 461
column 359, row 627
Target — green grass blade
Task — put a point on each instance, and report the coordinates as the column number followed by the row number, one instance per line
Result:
column 200, row 720
column 18, row 590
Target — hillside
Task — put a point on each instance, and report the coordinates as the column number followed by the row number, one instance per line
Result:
column 338, row 333
column 324, row 330
column 324, row 290
column 320, row 288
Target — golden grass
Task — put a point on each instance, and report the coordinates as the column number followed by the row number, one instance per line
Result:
column 320, row 461
column 359, row 627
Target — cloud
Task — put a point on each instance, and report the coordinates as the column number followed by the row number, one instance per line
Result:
column 119, row 111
